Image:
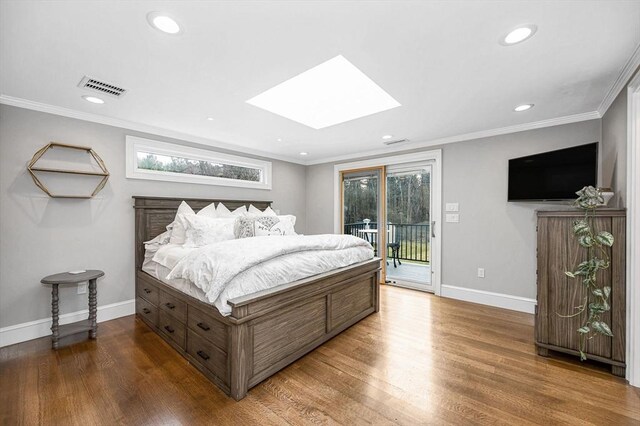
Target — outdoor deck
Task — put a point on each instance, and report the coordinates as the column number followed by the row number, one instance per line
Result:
column 419, row 272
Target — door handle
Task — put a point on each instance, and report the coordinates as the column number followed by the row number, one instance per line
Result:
column 433, row 230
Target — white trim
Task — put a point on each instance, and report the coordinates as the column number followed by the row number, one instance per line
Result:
column 34, row 329
column 498, row 300
column 436, row 194
column 618, row 85
column 139, row 127
column 145, row 128
column 593, row 115
column 633, row 232
column 136, row 144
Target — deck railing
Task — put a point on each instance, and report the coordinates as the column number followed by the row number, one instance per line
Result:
column 412, row 238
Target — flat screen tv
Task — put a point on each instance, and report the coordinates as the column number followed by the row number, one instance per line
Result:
column 553, row 176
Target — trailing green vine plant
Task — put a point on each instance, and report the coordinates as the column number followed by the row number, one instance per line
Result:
column 596, row 300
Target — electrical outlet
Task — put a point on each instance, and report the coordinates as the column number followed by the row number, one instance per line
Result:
column 452, row 217
column 480, row 272
column 82, row 288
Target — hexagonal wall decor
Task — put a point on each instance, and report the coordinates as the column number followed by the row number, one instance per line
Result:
column 32, row 168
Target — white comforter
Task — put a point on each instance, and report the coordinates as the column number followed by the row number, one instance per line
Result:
column 234, row 268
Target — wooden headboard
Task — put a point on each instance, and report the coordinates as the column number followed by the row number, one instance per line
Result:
column 153, row 214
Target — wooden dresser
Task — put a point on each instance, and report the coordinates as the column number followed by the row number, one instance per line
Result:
column 558, row 251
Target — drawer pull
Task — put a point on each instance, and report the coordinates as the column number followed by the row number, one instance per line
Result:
column 146, row 290
column 203, row 355
column 169, row 328
column 146, row 310
column 170, row 305
column 203, row 326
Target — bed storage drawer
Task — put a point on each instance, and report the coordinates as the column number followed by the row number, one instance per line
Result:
column 208, row 328
column 172, row 328
column 173, row 306
column 207, row 354
column 147, row 311
column 349, row 302
column 147, row 291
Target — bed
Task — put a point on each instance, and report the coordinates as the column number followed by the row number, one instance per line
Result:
column 265, row 331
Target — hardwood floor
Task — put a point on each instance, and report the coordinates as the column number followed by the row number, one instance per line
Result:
column 421, row 360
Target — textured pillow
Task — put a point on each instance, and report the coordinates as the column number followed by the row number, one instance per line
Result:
column 257, row 226
column 273, row 225
column 202, row 230
column 176, row 227
column 223, row 211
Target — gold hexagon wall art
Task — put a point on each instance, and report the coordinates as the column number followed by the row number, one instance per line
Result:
column 32, row 168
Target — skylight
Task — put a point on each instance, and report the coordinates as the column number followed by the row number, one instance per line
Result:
column 328, row 94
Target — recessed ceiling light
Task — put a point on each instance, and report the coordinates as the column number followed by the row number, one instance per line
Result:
column 304, row 153
column 519, row 34
column 93, row 99
column 279, row 139
column 210, row 118
column 328, row 94
column 523, row 107
column 385, row 137
column 164, row 23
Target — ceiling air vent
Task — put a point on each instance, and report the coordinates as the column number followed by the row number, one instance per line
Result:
column 101, row 87
column 396, row 142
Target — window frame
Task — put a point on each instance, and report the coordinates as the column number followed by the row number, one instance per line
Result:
column 136, row 144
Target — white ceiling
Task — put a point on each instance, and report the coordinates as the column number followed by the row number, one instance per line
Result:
column 440, row 60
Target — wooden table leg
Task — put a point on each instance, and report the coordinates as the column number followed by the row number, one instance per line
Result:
column 54, row 316
column 93, row 305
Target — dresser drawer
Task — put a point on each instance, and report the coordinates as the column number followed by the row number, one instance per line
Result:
column 147, row 291
column 212, row 358
column 173, row 306
column 147, row 311
column 172, row 328
column 208, row 328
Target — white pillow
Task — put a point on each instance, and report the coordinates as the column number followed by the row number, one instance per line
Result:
column 176, row 227
column 269, row 212
column 254, row 211
column 202, row 230
column 223, row 211
column 289, row 218
column 209, row 211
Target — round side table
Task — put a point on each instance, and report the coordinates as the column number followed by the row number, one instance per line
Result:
column 90, row 324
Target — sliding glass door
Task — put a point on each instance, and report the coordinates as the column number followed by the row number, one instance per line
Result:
column 394, row 203
column 409, row 221
column 362, row 191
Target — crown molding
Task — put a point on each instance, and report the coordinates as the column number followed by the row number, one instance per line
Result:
column 139, row 127
column 568, row 119
column 144, row 128
column 625, row 75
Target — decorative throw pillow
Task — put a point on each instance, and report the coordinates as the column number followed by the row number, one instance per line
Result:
column 272, row 225
column 254, row 211
column 256, row 226
column 201, row 230
column 176, row 227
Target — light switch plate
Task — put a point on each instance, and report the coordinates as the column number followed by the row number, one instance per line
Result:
column 452, row 218
column 452, row 207
column 480, row 272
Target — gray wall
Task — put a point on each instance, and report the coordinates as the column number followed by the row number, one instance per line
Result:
column 492, row 233
column 40, row 236
column 614, row 148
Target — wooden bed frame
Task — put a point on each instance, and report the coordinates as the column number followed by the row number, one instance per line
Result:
column 266, row 331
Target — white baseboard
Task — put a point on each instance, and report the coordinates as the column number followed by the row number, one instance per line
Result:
column 499, row 300
column 42, row 327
